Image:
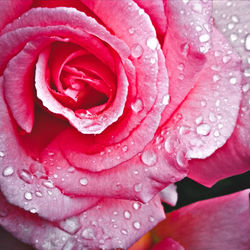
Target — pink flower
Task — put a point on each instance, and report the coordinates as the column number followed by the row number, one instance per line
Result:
column 104, row 104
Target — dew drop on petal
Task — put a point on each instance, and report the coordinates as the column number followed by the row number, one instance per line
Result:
column 25, row 176
column 149, row 158
column 203, row 129
column 136, row 205
column 124, row 231
column 152, row 43
column 84, row 181
column 137, row 225
column 136, row 51
column 137, row 106
column 8, row 171
column 28, row 196
column 127, row 215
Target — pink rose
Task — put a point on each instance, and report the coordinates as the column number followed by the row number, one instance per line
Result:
column 106, row 103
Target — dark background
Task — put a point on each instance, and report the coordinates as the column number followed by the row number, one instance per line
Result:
column 188, row 191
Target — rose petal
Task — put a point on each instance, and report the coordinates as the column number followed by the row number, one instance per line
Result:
column 110, row 224
column 169, row 195
column 12, row 9
column 220, row 165
column 155, row 9
column 184, row 46
column 210, row 224
column 31, row 191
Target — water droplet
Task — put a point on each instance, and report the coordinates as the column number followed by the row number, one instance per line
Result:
column 226, row 59
column 137, row 225
column 8, row 171
column 124, row 231
column 38, row 194
column 245, row 88
column 203, row 129
column 181, row 158
column 152, row 43
column 25, row 176
column 84, row 181
column 115, row 213
column 166, row 100
column 216, row 133
column 168, row 145
column 149, row 158
column 199, row 120
column 138, row 187
column 136, row 51
column 28, row 196
column 131, row 31
column 233, row 80
column 151, row 218
column 71, row 170
column 204, row 38
column 48, row 184
column 33, row 210
column 247, row 42
column 70, row 225
column 127, row 215
column 233, row 37
column 125, row 149
column 136, row 205
column 235, row 19
column 216, row 78
column 88, row 234
column 212, row 117
column 2, row 154
column 137, row 106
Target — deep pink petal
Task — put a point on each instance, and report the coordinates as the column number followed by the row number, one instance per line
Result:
column 219, row 223
column 234, row 157
column 111, row 224
column 10, row 9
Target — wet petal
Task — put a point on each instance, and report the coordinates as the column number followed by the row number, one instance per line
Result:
column 235, row 25
column 111, row 224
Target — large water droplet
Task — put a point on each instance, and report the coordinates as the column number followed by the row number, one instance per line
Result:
column 28, row 196
column 84, row 181
column 149, row 158
column 137, row 106
column 8, row 171
column 166, row 100
column 204, row 38
column 181, row 158
column 152, row 43
column 2, row 154
column 203, row 129
column 136, row 51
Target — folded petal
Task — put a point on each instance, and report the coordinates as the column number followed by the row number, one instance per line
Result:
column 210, row 224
